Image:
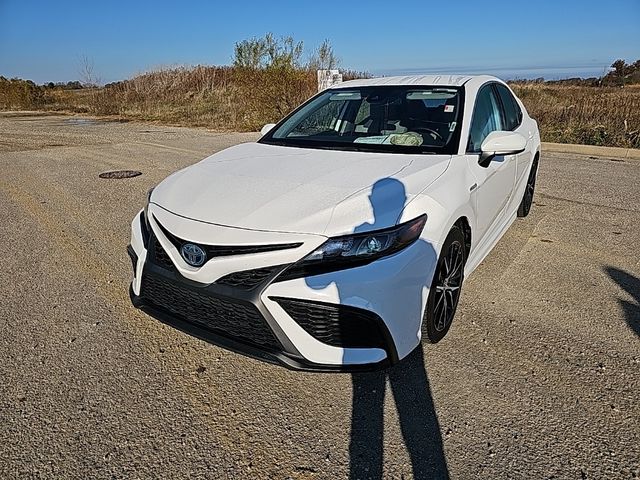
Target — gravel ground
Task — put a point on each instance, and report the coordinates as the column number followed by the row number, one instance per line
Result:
column 538, row 377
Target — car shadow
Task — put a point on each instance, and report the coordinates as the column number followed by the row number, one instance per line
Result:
column 408, row 379
column 630, row 284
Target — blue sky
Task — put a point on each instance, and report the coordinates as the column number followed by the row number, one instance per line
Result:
column 44, row 40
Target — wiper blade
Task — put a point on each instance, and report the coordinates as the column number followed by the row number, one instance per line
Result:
column 354, row 147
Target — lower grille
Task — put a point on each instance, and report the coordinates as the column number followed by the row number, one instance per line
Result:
column 337, row 325
column 248, row 279
column 231, row 319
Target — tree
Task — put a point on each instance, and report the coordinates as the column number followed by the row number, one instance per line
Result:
column 249, row 53
column 87, row 73
column 323, row 58
column 268, row 52
column 619, row 69
column 284, row 52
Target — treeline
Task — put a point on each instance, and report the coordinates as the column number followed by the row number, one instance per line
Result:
column 16, row 93
column 620, row 74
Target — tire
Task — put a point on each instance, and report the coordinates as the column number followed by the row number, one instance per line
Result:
column 445, row 288
column 527, row 198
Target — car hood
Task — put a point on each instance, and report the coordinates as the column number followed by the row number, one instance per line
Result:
column 287, row 189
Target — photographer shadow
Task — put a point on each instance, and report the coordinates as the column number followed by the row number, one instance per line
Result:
column 630, row 284
column 408, row 380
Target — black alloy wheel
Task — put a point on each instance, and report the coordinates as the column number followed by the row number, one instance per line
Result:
column 527, row 199
column 445, row 288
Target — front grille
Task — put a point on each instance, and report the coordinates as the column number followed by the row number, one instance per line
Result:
column 227, row 250
column 337, row 325
column 239, row 321
column 160, row 256
column 248, row 279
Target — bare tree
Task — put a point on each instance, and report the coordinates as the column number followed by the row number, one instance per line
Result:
column 87, row 72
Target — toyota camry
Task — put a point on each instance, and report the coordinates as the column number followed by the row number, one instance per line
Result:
column 341, row 239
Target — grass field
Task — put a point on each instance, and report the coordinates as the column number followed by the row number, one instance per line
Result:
column 587, row 115
column 242, row 99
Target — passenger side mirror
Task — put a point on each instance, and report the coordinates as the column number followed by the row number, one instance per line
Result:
column 267, row 128
column 501, row 143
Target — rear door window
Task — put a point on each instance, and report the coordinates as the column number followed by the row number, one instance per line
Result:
column 512, row 112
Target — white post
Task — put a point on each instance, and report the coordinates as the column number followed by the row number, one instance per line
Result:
column 328, row 78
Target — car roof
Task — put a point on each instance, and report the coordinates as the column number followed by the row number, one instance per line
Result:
column 441, row 80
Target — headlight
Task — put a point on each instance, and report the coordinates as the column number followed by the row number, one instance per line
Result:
column 356, row 250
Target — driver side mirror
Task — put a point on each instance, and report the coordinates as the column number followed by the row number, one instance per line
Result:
column 501, row 143
column 267, row 128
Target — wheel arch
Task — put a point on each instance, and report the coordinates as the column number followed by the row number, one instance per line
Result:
column 463, row 224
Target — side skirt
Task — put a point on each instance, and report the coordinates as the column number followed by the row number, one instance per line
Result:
column 490, row 240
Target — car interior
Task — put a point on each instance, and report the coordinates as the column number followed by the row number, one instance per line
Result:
column 410, row 118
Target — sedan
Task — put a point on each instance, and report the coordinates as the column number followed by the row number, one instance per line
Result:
column 341, row 239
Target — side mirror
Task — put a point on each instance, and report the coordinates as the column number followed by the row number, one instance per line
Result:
column 267, row 128
column 501, row 143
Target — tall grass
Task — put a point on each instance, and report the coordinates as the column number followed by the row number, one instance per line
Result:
column 225, row 98
column 236, row 98
column 588, row 115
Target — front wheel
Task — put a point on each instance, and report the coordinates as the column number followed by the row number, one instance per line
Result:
column 445, row 288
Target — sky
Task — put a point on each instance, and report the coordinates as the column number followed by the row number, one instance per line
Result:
column 45, row 40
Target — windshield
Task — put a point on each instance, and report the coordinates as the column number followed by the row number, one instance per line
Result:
column 387, row 119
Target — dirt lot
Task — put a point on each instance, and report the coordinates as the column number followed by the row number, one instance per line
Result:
column 538, row 378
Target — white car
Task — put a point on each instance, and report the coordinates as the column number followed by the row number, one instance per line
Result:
column 343, row 236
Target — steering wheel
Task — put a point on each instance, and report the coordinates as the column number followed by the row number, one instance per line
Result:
column 429, row 130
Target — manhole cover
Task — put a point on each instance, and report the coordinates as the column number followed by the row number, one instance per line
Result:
column 117, row 174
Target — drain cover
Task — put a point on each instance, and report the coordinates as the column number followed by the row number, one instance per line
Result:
column 117, row 174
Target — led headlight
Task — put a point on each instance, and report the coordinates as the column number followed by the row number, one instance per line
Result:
column 356, row 250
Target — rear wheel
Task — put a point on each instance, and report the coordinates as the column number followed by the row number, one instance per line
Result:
column 527, row 199
column 445, row 288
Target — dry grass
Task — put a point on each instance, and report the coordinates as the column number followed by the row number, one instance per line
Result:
column 224, row 98
column 232, row 98
column 587, row 115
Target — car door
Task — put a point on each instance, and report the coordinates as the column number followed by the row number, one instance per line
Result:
column 494, row 182
column 513, row 122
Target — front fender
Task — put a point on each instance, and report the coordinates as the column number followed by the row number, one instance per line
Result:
column 444, row 201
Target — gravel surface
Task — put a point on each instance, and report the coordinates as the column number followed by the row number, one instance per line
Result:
column 538, row 377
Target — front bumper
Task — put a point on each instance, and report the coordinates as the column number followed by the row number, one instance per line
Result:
column 366, row 318
column 268, row 353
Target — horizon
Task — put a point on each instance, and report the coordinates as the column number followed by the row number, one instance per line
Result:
column 548, row 73
column 126, row 40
